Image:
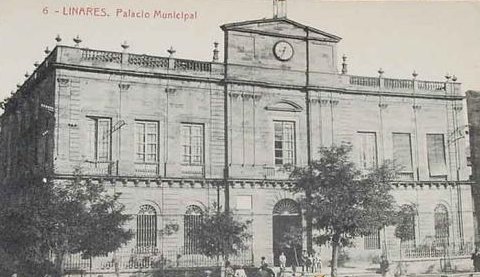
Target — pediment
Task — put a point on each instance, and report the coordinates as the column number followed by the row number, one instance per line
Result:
column 280, row 27
column 284, row 106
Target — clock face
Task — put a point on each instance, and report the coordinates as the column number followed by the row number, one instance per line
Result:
column 283, row 50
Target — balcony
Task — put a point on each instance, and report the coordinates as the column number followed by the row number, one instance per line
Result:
column 147, row 169
column 138, row 63
column 103, row 168
column 403, row 85
column 189, row 170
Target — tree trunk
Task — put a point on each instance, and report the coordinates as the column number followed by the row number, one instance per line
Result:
column 59, row 264
column 335, row 248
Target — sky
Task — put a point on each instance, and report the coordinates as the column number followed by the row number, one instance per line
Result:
column 432, row 38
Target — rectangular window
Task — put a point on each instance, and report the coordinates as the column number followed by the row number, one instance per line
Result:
column 192, row 144
column 284, row 142
column 99, row 139
column 368, row 149
column 436, row 155
column 402, row 152
column 146, row 137
column 244, row 202
column 372, row 241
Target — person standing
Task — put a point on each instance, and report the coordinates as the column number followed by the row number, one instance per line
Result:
column 283, row 261
column 229, row 272
column 317, row 262
column 476, row 260
column 384, row 265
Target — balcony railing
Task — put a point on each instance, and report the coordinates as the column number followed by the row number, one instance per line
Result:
column 429, row 85
column 192, row 65
column 193, row 170
column 398, row 83
column 364, row 81
column 148, row 61
column 101, row 56
column 146, row 169
column 100, row 167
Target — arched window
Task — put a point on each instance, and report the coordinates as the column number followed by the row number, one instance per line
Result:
column 147, row 227
column 286, row 207
column 442, row 224
column 192, row 218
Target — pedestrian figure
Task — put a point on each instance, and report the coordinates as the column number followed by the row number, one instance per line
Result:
column 309, row 263
column 303, row 261
column 265, row 271
column 317, row 262
column 283, row 261
column 384, row 265
column 229, row 272
column 476, row 260
column 262, row 262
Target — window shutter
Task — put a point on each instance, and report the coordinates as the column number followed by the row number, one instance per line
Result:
column 402, row 152
column 436, row 155
column 91, row 141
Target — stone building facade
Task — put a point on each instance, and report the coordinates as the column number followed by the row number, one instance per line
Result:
column 169, row 133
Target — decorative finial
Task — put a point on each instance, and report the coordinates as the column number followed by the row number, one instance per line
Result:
column 47, row 51
column 26, row 74
column 77, row 40
column 125, row 45
column 454, row 78
column 215, row 51
column 58, row 39
column 171, row 51
column 414, row 74
column 36, row 64
column 447, row 76
column 380, row 72
column 19, row 85
column 12, row 92
column 344, row 64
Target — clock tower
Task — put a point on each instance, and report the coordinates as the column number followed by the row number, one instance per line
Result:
column 277, row 50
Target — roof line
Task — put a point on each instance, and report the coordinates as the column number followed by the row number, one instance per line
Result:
column 228, row 26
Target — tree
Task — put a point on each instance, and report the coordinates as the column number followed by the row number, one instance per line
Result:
column 344, row 202
column 405, row 230
column 221, row 234
column 60, row 218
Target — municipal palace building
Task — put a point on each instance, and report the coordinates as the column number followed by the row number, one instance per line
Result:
column 170, row 134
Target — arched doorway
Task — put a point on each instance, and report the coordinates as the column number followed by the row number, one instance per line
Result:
column 287, row 231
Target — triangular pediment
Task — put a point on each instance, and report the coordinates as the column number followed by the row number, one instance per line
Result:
column 284, row 106
column 280, row 27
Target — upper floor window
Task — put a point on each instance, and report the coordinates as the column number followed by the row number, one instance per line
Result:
column 146, row 137
column 99, row 138
column 436, row 155
column 402, row 153
column 192, row 143
column 284, row 141
column 368, row 149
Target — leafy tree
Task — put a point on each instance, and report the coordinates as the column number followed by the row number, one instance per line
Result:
column 344, row 202
column 405, row 231
column 45, row 219
column 405, row 222
column 221, row 234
